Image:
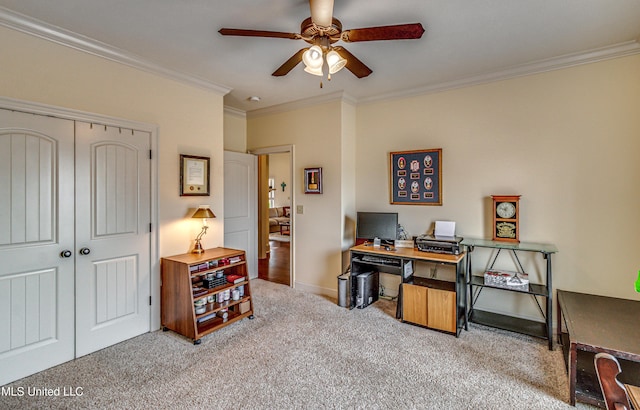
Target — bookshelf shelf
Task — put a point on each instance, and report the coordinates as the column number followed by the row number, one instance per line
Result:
column 543, row 291
column 192, row 309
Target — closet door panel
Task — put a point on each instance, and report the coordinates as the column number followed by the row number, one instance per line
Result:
column 113, row 216
column 36, row 225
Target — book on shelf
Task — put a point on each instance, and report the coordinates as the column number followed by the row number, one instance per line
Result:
column 198, row 268
column 235, row 278
column 208, row 317
column 198, row 291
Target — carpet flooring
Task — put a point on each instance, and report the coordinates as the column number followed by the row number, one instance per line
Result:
column 303, row 351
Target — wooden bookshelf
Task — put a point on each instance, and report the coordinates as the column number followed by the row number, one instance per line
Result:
column 197, row 299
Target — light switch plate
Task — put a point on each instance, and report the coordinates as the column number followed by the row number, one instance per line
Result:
column 299, row 209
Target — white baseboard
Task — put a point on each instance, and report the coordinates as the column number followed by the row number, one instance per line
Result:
column 318, row 290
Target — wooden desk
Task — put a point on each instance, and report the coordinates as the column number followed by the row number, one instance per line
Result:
column 409, row 253
column 634, row 395
column 589, row 324
column 451, row 294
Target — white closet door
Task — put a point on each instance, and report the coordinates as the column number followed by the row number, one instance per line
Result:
column 36, row 225
column 112, row 226
column 241, row 206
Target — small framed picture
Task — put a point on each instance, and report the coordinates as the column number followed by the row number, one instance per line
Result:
column 194, row 176
column 313, row 180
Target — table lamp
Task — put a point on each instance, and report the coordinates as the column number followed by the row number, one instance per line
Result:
column 203, row 212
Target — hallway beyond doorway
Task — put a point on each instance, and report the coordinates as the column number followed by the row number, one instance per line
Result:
column 275, row 267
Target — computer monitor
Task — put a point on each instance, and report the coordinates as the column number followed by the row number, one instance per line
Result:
column 371, row 225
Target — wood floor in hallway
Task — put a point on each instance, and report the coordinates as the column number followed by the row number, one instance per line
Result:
column 275, row 267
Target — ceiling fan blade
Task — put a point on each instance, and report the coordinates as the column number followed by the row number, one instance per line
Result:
column 321, row 12
column 289, row 64
column 398, row 32
column 357, row 67
column 257, row 33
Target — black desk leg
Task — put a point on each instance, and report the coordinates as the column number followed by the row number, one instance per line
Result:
column 461, row 285
column 468, row 301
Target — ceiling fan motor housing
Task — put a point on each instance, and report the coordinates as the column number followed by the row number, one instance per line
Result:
column 309, row 31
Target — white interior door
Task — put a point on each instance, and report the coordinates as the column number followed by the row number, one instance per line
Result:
column 36, row 220
column 241, row 206
column 112, row 235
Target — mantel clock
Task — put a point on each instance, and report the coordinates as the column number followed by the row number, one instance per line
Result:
column 506, row 218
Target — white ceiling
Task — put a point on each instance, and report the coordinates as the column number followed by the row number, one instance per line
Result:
column 466, row 41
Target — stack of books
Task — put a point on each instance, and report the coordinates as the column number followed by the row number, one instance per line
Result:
column 235, row 278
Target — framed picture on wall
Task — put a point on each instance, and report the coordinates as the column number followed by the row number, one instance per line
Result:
column 313, row 180
column 194, row 176
column 416, row 177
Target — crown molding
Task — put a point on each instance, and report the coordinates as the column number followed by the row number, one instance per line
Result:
column 541, row 66
column 302, row 103
column 58, row 35
column 234, row 112
column 38, row 28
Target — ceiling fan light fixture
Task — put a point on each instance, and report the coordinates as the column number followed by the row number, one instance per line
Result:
column 335, row 62
column 312, row 58
column 314, row 70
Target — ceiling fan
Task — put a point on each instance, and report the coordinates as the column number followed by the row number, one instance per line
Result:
column 322, row 30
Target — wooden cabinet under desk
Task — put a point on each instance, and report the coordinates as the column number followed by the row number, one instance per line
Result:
column 428, row 306
column 183, row 279
column 426, row 301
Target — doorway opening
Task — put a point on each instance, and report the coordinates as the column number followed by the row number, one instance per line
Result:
column 276, row 226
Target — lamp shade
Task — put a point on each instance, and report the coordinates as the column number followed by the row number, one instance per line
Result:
column 314, row 71
column 335, row 62
column 203, row 211
column 312, row 58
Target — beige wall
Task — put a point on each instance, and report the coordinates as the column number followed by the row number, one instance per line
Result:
column 348, row 181
column 317, row 233
column 188, row 119
column 279, row 170
column 568, row 141
column 235, row 131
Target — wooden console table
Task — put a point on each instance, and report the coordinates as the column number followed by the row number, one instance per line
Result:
column 429, row 302
column 589, row 324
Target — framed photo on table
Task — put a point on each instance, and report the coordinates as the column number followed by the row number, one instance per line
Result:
column 313, row 180
column 416, row 177
column 194, row 176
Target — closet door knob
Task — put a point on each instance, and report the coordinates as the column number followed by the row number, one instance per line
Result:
column 66, row 253
column 85, row 251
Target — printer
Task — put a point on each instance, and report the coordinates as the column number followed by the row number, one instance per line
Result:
column 443, row 240
column 439, row 244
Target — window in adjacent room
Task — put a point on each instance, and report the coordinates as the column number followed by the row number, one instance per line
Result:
column 272, row 193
